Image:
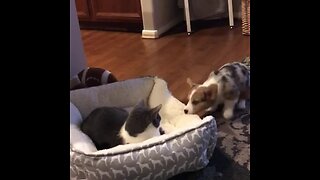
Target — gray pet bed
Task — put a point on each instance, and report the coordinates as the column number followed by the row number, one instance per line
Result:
column 187, row 145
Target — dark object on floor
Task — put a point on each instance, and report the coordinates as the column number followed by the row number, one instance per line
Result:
column 90, row 77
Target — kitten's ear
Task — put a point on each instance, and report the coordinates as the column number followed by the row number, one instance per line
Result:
column 156, row 109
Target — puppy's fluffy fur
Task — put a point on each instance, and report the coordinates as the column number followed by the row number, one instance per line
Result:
column 230, row 85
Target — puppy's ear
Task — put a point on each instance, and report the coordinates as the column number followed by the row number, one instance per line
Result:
column 191, row 84
column 211, row 92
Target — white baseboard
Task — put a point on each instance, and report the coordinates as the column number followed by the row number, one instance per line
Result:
column 150, row 34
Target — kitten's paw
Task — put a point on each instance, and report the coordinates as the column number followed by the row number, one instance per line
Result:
column 228, row 114
column 242, row 104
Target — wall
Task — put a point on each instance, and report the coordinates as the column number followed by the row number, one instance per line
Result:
column 77, row 56
column 159, row 16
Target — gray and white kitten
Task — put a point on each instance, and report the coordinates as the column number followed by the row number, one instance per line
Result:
column 111, row 126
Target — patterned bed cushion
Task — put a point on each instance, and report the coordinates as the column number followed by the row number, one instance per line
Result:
column 188, row 148
column 188, row 151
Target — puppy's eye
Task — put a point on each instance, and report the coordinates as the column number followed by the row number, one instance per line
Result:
column 195, row 102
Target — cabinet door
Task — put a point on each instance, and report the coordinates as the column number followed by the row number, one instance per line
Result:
column 83, row 9
column 116, row 10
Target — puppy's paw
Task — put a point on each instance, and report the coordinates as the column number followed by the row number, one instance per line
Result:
column 203, row 114
column 228, row 114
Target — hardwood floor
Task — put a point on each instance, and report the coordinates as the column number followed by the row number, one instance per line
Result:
column 173, row 57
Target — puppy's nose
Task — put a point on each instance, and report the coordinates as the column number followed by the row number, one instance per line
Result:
column 186, row 111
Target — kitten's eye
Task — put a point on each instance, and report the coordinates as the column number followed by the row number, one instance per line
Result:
column 156, row 121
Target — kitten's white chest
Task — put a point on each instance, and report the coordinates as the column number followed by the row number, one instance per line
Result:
column 150, row 132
